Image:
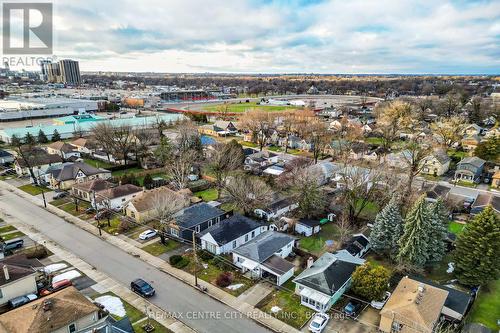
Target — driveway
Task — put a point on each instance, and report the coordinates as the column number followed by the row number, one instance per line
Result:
column 194, row 308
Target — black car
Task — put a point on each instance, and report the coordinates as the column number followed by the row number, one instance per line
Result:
column 60, row 195
column 352, row 308
column 142, row 288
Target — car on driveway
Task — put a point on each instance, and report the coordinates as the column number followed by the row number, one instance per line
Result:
column 60, row 195
column 148, row 234
column 380, row 304
column 21, row 300
column 318, row 322
column 142, row 288
column 353, row 308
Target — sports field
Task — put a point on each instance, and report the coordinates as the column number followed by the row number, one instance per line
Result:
column 242, row 107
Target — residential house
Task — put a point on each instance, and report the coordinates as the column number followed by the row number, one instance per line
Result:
column 230, row 233
column 64, row 311
column 116, row 198
column 38, row 159
column 413, row 307
column 83, row 145
column 142, row 207
column 276, row 209
column 63, row 149
column 6, row 157
column 484, row 200
column 436, row 164
column 219, row 128
column 457, row 302
column 18, row 277
column 357, row 245
column 399, row 159
column 263, row 257
column 437, row 192
column 307, row 227
column 323, row 172
column 326, row 280
column 473, row 129
column 195, row 218
column 470, row 142
column 85, row 191
column 495, row 182
column 492, row 133
column 64, row 176
column 260, row 160
column 469, row 169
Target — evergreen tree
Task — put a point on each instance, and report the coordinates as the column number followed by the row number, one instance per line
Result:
column 387, row 229
column 439, row 223
column 29, row 139
column 42, row 138
column 15, row 141
column 414, row 244
column 148, row 181
column 477, row 254
column 56, row 136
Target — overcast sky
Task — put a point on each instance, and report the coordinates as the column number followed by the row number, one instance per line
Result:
column 339, row 36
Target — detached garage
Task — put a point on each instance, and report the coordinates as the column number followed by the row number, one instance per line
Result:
column 307, row 227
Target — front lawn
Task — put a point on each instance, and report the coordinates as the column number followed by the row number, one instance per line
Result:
column 210, row 194
column 12, row 235
column 158, row 327
column 113, row 227
column 34, row 190
column 292, row 312
column 158, row 248
column 71, row 208
column 248, row 144
column 59, row 202
column 132, row 313
column 7, row 228
column 315, row 244
column 455, row 227
column 486, row 308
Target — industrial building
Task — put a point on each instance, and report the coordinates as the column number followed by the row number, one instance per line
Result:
column 28, row 108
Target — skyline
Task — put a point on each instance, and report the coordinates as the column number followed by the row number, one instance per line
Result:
column 280, row 37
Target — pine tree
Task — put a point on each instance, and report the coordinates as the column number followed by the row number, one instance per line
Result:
column 387, row 229
column 42, row 138
column 56, row 136
column 439, row 231
column 477, row 254
column 414, row 244
column 148, row 181
column 15, row 141
column 29, row 139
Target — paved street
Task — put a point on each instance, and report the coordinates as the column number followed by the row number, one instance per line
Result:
column 189, row 305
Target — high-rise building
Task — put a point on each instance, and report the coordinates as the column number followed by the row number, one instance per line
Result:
column 69, row 71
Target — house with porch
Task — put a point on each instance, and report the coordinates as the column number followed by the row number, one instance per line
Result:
column 470, row 142
column 230, row 234
column 264, row 257
column 85, row 191
column 65, row 175
column 435, row 164
column 63, row 149
column 116, row 197
column 326, row 280
column 469, row 169
column 276, row 209
column 38, row 159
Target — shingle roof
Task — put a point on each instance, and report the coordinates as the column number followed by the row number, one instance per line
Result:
column 66, row 306
column 356, row 244
column 308, row 222
column 4, row 153
column 196, row 214
column 327, row 274
column 231, row 228
column 264, row 246
column 62, row 146
column 67, row 171
column 473, row 160
column 442, row 157
column 93, row 185
column 118, row 191
column 18, row 267
column 37, row 157
column 147, row 199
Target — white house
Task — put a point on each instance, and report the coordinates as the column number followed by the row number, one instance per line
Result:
column 63, row 149
column 18, row 277
column 263, row 257
column 357, row 245
column 307, row 227
column 230, row 234
column 325, row 280
column 115, row 197
column 276, row 209
column 436, row 164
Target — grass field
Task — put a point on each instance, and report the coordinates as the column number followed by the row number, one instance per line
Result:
column 207, row 195
column 34, row 190
column 7, row 228
column 158, row 248
column 316, row 244
column 97, row 163
column 456, row 227
column 242, row 107
column 486, row 308
column 12, row 235
column 119, row 173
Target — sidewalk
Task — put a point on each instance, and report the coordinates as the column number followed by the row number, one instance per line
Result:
column 128, row 245
column 101, row 279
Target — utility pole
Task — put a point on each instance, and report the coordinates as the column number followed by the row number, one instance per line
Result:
column 195, row 260
column 41, row 188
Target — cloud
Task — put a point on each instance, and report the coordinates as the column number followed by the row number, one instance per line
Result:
column 386, row 36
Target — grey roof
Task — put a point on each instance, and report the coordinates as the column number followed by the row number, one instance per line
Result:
column 473, row 160
column 438, row 191
column 442, row 157
column 308, row 222
column 264, row 246
column 327, row 274
column 196, row 214
column 4, row 153
column 67, row 171
column 278, row 265
column 231, row 228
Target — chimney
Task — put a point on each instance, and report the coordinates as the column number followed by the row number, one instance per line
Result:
column 47, row 305
column 6, row 272
column 310, row 262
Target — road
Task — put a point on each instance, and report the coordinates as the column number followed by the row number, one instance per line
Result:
column 173, row 296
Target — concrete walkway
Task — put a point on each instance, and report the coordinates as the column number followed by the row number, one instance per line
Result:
column 257, row 293
column 128, row 246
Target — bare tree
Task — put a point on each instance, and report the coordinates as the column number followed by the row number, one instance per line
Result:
column 260, row 123
column 449, row 130
column 413, row 158
column 345, row 227
column 180, row 167
column 391, row 119
column 223, row 159
column 316, row 132
column 306, row 190
column 103, row 137
column 247, row 193
column 188, row 137
column 165, row 205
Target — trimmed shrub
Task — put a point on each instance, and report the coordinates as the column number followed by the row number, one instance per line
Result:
column 224, row 279
column 183, row 263
column 175, row 259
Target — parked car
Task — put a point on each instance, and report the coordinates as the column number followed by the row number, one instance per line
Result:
column 148, row 234
column 60, row 195
column 6, row 171
column 89, row 210
column 353, row 308
column 11, row 244
column 21, row 300
column 318, row 323
column 142, row 288
column 56, row 286
column 380, row 304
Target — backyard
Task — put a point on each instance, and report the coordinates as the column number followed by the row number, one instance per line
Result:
column 207, row 195
column 456, row 227
column 486, row 308
column 315, row 244
column 98, row 163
